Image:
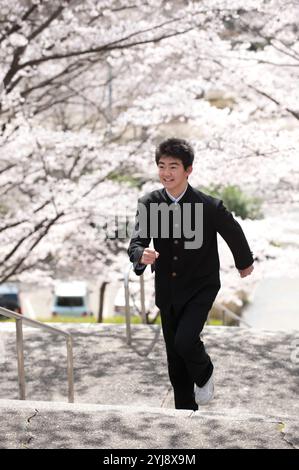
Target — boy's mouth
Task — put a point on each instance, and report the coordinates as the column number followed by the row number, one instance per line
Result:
column 167, row 180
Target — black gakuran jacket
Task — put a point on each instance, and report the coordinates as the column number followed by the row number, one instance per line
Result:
column 180, row 272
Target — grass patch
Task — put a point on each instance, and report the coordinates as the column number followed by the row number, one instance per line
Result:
column 121, row 319
column 215, row 322
column 117, row 319
column 61, row 319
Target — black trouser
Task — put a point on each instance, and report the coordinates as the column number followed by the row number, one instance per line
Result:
column 188, row 362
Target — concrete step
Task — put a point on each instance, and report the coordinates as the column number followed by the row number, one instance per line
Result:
column 256, row 381
column 48, row 425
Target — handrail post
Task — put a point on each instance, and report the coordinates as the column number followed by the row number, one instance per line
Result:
column 127, row 308
column 20, row 356
column 70, row 369
column 223, row 317
column 142, row 299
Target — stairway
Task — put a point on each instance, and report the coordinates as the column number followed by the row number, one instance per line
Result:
column 123, row 398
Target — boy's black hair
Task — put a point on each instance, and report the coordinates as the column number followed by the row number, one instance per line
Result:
column 178, row 148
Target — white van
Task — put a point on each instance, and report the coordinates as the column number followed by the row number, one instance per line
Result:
column 70, row 299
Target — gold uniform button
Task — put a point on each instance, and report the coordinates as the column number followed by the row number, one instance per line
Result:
column 173, row 274
column 175, row 258
column 176, row 242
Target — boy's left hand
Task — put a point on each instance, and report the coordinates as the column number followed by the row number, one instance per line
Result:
column 246, row 272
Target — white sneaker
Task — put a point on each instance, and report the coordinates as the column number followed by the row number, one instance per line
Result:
column 205, row 394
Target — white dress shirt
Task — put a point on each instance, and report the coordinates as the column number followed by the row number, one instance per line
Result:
column 176, row 199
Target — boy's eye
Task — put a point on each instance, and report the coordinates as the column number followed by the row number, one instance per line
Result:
column 171, row 168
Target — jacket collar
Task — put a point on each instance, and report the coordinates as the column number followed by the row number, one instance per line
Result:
column 185, row 196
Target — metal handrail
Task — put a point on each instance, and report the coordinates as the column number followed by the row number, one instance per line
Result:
column 20, row 350
column 127, row 301
column 227, row 312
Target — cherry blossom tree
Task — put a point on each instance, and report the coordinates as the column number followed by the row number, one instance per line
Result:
column 48, row 49
column 89, row 88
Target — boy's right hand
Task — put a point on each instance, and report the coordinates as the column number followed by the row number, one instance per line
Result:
column 149, row 256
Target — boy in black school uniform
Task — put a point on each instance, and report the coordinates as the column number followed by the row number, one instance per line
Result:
column 186, row 266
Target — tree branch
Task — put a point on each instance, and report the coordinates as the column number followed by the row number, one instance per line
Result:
column 14, row 268
column 105, row 48
column 15, row 65
column 16, row 27
column 295, row 114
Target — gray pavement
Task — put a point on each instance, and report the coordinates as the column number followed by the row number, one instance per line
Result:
column 123, row 398
column 275, row 305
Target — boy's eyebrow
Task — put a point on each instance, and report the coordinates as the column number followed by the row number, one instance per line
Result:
column 171, row 163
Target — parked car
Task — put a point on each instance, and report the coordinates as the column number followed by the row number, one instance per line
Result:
column 70, row 299
column 10, row 298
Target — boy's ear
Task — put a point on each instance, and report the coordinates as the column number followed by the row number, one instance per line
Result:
column 189, row 170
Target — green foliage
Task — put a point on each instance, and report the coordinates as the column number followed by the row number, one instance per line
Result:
column 275, row 243
column 133, row 181
column 3, row 209
column 237, row 201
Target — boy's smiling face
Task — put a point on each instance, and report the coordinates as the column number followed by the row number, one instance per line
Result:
column 173, row 175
